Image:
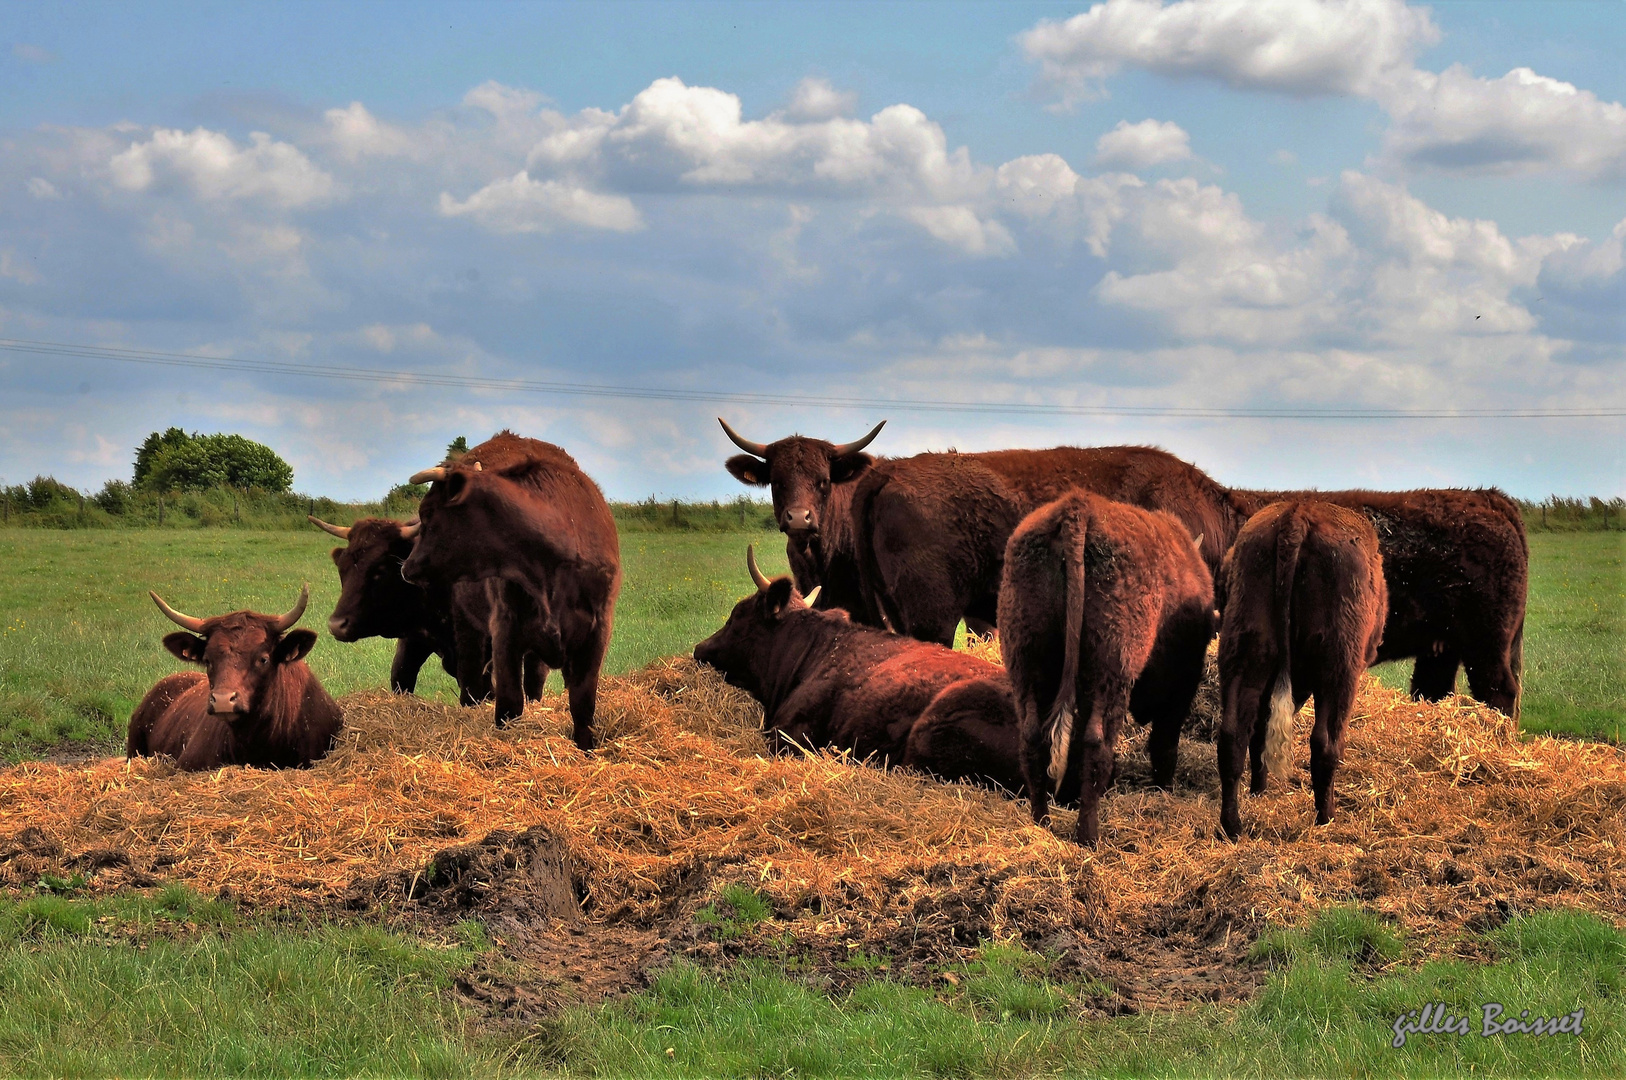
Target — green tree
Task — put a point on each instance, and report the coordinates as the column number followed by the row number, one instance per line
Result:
column 197, row 462
column 156, row 444
column 457, row 448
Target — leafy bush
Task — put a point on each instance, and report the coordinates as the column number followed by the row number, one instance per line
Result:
column 176, row 461
column 114, row 497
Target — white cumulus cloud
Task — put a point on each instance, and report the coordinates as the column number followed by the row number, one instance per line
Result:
column 1294, row 46
column 520, row 204
column 1142, row 145
column 215, row 167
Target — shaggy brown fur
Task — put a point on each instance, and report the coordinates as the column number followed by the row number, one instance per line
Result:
column 1104, row 609
column 812, row 490
column 259, row 704
column 1303, row 599
column 1457, row 567
column 827, row 682
column 931, row 529
column 520, row 515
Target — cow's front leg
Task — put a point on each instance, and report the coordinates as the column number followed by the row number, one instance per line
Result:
column 507, row 659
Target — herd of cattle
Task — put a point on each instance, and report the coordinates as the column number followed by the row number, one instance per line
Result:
column 1106, row 570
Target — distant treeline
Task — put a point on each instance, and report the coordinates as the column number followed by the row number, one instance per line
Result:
column 45, row 503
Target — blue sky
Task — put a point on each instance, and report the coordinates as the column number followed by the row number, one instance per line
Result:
column 1292, row 205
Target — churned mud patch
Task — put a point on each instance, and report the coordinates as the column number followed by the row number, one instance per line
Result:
column 589, row 871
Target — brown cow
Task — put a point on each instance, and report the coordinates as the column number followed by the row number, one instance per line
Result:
column 1303, row 599
column 256, row 703
column 811, row 482
column 520, row 515
column 1457, row 567
column 931, row 529
column 375, row 601
column 1104, row 609
column 825, row 681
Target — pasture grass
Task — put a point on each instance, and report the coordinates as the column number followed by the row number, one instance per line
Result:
column 172, row 984
column 80, row 642
column 1574, row 638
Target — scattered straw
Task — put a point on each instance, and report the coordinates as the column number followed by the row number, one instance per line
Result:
column 1445, row 817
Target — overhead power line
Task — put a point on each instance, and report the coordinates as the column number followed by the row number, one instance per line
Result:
column 346, row 373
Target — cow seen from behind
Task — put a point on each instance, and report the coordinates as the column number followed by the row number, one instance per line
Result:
column 255, row 703
column 1303, row 602
column 1457, row 567
column 521, row 517
column 1104, row 610
column 827, row 682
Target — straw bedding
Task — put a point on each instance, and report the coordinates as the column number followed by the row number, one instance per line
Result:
column 1446, row 820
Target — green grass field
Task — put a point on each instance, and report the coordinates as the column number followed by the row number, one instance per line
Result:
column 80, row 641
column 171, row 985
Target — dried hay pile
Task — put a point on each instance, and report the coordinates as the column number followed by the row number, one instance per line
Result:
column 1445, row 820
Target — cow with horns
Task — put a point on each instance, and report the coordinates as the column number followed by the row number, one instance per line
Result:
column 811, row 482
column 255, row 703
column 825, row 681
column 521, row 517
column 1304, row 600
column 375, row 601
column 1105, row 609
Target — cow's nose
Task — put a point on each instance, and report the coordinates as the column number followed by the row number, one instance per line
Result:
column 797, row 519
column 223, row 701
column 338, row 627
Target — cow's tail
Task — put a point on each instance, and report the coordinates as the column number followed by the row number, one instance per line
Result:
column 1279, row 728
column 883, row 610
column 1065, row 711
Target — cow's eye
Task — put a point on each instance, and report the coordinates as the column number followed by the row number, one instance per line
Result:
column 265, row 658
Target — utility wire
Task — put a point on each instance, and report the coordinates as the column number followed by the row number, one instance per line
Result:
column 346, row 373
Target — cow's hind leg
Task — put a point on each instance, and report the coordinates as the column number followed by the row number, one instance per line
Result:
column 1242, row 707
column 1162, row 698
column 1334, row 700
column 1434, row 676
column 1034, row 756
column 536, row 677
column 508, row 655
column 1493, row 680
column 581, row 670
column 1097, row 743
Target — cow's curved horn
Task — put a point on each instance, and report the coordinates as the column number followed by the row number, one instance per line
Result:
column 478, row 467
column 288, row 620
column 759, row 449
column 1198, row 542
column 854, row 447
column 187, row 621
column 341, row 531
column 428, row 476
column 813, row 597
column 751, row 564
column 411, row 529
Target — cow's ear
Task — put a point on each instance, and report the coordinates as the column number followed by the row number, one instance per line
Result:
column 779, row 593
column 336, row 553
column 849, row 467
column 748, row 469
column 188, row 647
column 294, row 645
column 457, row 487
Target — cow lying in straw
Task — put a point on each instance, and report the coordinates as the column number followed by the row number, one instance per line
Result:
column 256, row 703
column 1104, row 609
column 1304, row 600
column 825, row 681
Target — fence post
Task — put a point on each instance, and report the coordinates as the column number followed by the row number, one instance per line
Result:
column 1544, row 514
column 160, row 511
column 674, row 511
column 236, row 514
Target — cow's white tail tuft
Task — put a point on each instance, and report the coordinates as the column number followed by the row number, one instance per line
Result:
column 1061, row 743
column 1279, row 728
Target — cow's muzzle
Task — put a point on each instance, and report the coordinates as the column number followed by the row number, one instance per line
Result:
column 227, row 703
column 341, row 629
column 799, row 520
